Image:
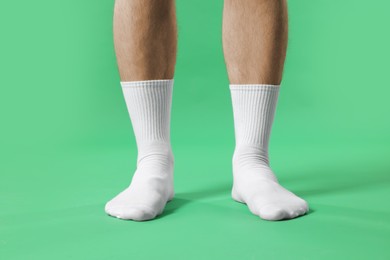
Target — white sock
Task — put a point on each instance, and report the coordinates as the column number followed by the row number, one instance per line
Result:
column 149, row 106
column 254, row 183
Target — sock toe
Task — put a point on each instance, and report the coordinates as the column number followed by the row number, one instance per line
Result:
column 137, row 213
column 294, row 214
column 302, row 211
column 112, row 210
column 270, row 212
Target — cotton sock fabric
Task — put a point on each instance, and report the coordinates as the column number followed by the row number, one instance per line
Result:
column 254, row 182
column 149, row 105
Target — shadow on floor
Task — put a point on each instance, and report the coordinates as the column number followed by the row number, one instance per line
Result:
column 184, row 198
column 328, row 179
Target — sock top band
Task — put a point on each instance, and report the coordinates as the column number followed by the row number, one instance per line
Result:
column 147, row 83
column 243, row 87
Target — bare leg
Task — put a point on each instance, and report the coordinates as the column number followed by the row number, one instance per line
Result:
column 255, row 40
column 145, row 39
column 254, row 43
column 145, row 44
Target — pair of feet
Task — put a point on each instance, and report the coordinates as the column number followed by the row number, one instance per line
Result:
column 254, row 184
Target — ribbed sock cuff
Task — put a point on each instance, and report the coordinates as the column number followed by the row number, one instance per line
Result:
column 246, row 87
column 149, row 105
column 254, row 108
column 147, row 83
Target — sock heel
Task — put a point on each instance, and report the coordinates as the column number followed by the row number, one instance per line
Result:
column 235, row 196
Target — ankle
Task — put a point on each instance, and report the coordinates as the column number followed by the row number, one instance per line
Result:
column 250, row 162
column 247, row 155
column 155, row 153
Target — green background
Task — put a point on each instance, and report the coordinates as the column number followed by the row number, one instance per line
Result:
column 67, row 144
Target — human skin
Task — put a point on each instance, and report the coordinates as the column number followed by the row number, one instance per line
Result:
column 145, row 39
column 255, row 40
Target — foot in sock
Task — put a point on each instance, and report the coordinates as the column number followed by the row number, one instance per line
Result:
column 254, row 182
column 150, row 189
column 149, row 106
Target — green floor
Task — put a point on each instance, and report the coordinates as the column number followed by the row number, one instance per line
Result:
column 67, row 145
column 56, row 210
